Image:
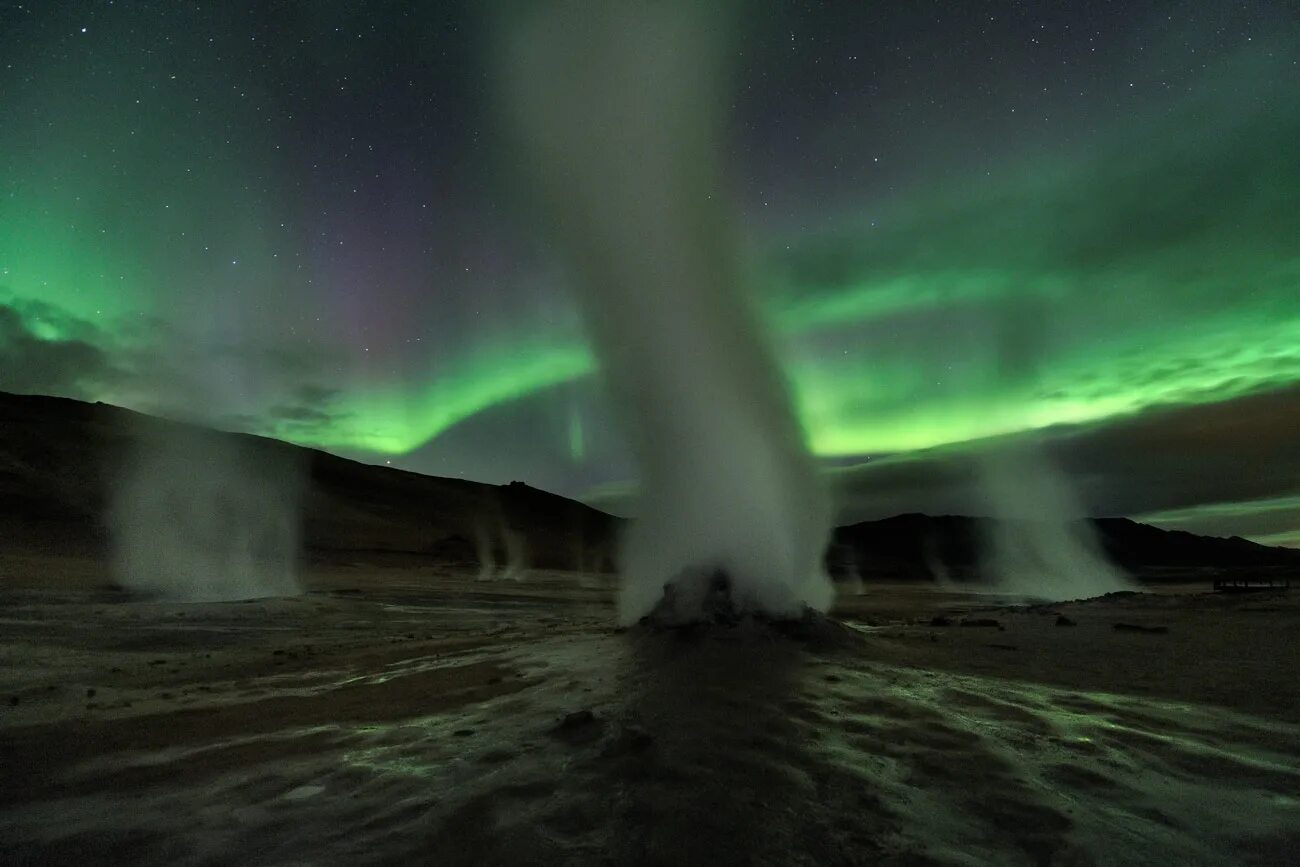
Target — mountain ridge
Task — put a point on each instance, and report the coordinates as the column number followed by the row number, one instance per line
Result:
column 60, row 457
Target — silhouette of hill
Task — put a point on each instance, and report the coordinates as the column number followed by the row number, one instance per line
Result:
column 922, row 547
column 59, row 459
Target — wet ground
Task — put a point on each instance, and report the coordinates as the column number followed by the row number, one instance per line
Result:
column 413, row 715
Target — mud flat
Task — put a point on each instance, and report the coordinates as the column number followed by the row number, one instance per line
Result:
column 402, row 714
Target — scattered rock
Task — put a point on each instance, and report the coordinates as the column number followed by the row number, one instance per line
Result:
column 698, row 606
column 1062, row 620
column 715, row 606
column 633, row 740
column 578, row 727
column 982, row 622
column 303, row 792
column 1134, row 627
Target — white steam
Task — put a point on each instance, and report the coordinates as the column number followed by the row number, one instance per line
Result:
column 203, row 516
column 617, row 104
column 1039, row 543
column 493, row 536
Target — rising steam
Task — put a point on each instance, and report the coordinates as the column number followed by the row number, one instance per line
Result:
column 203, row 516
column 617, row 104
column 1039, row 543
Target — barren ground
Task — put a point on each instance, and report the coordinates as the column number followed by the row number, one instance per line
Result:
column 397, row 713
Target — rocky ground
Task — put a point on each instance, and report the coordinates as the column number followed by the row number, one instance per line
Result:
column 396, row 713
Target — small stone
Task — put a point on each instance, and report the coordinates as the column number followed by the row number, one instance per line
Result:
column 581, row 725
column 1133, row 627
column 303, row 792
column 631, row 741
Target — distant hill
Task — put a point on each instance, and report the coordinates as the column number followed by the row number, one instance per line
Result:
column 59, row 459
column 922, row 547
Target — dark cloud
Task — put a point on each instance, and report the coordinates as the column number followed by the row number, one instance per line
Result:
column 1162, row 459
column 149, row 364
column 67, row 366
column 310, row 409
column 1272, row 521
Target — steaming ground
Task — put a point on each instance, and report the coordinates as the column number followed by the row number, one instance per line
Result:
column 405, row 714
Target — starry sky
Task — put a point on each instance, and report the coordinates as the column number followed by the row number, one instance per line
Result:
column 961, row 221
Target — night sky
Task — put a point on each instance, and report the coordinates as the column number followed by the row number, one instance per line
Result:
column 962, row 220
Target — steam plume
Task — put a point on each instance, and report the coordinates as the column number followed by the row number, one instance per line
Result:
column 617, row 105
column 1039, row 542
column 201, row 516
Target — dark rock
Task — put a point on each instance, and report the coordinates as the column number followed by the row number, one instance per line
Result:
column 699, row 605
column 1004, row 646
column 982, row 622
column 632, row 740
column 940, row 620
column 90, row 693
column 578, row 727
column 716, row 604
column 1062, row 620
column 1134, row 627
column 463, row 733
column 815, row 631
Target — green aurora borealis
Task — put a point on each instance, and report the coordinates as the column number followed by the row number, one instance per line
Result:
column 1151, row 261
column 1133, row 296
